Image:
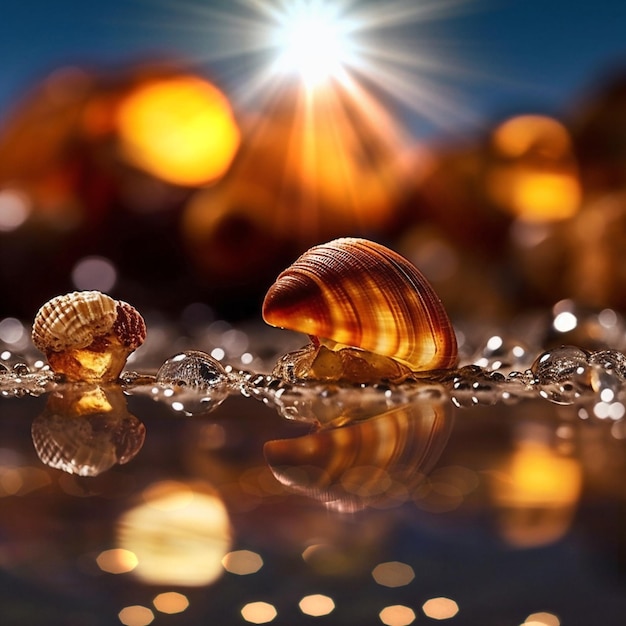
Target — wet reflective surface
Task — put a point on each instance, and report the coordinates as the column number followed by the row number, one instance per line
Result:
column 119, row 507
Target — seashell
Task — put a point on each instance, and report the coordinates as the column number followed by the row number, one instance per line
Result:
column 381, row 459
column 357, row 293
column 87, row 335
column 87, row 430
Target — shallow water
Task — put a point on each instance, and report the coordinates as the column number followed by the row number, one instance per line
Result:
column 470, row 497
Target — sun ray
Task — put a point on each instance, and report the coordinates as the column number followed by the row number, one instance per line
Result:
column 325, row 88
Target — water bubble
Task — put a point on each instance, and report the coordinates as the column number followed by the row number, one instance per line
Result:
column 192, row 368
column 192, row 382
column 471, row 385
column 562, row 374
column 610, row 360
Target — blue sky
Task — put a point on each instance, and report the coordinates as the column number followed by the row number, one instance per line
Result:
column 515, row 54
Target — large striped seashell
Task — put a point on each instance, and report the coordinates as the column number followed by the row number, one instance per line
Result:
column 381, row 459
column 87, row 335
column 358, row 293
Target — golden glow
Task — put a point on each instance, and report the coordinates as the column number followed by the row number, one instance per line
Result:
column 393, row 574
column 317, row 605
column 536, row 491
column 258, row 612
column 180, row 129
column 397, row 615
column 522, row 134
column 325, row 156
column 534, row 175
column 117, row 561
column 242, row 562
column 536, row 196
column 171, row 602
column 136, row 615
column 180, row 534
column 93, row 401
column 440, row 608
column 539, row 475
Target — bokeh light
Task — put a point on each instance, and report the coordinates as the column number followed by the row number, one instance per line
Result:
column 116, row 561
column 542, row 619
column 242, row 562
column 393, row 574
column 397, row 615
column 181, row 130
column 170, row 602
column 94, row 272
column 14, row 209
column 440, row 608
column 180, row 534
column 317, row 605
column 136, row 615
column 259, row 612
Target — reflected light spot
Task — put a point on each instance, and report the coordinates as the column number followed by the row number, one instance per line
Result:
column 136, row 615
column 14, row 209
column 180, row 535
column 258, row 612
column 494, row 343
column 393, row 574
column 218, row 354
column 11, row 330
column 171, row 602
column 565, row 321
column 117, row 561
column 317, row 605
column 397, row 615
column 440, row 608
column 180, row 129
column 94, row 272
column 242, row 562
column 542, row 619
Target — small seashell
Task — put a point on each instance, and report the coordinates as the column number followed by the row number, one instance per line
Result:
column 357, row 293
column 86, row 430
column 87, row 335
column 362, row 464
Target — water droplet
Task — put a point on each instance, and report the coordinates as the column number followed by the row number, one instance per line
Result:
column 194, row 382
column 192, row 369
column 562, row 374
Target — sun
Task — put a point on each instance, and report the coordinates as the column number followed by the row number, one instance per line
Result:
column 313, row 40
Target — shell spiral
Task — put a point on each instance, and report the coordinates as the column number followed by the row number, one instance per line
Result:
column 73, row 320
column 358, row 293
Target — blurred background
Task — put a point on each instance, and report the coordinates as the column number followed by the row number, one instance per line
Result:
column 175, row 153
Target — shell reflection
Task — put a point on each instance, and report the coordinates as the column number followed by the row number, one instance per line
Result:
column 376, row 462
column 86, row 430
